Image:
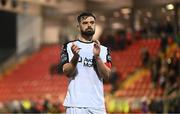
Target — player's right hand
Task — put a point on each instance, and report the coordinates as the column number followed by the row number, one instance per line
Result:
column 75, row 49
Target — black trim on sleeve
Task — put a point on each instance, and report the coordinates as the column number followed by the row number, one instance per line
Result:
column 108, row 56
column 64, row 55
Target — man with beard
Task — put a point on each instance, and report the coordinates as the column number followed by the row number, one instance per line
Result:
column 86, row 63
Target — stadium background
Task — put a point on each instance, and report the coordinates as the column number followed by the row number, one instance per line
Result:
column 143, row 37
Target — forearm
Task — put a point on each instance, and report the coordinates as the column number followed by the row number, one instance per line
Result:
column 70, row 68
column 102, row 68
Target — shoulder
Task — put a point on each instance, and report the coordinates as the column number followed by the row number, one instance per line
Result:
column 104, row 48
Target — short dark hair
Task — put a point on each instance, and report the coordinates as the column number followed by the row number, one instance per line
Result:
column 85, row 14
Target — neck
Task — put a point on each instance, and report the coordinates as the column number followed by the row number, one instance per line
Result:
column 85, row 38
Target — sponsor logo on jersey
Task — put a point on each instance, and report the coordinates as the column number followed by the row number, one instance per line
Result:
column 86, row 62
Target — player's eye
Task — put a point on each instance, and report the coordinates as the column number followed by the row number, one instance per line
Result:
column 84, row 23
column 92, row 22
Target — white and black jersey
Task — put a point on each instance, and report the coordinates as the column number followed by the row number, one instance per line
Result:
column 86, row 86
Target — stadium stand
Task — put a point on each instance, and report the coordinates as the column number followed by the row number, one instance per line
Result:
column 31, row 79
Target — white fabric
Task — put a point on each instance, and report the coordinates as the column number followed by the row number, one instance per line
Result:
column 86, row 88
column 71, row 110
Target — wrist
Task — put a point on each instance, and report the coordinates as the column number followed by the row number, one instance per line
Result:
column 74, row 60
column 76, row 55
column 96, row 57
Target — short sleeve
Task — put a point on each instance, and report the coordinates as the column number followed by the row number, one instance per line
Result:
column 64, row 55
column 108, row 59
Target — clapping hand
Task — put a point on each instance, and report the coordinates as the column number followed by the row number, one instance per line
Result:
column 96, row 49
column 75, row 49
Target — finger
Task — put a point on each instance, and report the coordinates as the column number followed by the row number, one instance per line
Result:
column 97, row 42
column 96, row 45
column 76, row 48
column 77, row 51
column 73, row 45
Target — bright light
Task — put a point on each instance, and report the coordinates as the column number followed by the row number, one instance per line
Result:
column 125, row 10
column 170, row 6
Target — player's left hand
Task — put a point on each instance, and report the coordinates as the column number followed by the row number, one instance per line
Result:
column 96, row 49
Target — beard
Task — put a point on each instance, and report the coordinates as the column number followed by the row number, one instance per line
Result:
column 88, row 33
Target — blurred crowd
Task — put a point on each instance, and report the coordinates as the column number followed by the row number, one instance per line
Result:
column 164, row 68
column 118, row 40
column 40, row 105
column 165, row 72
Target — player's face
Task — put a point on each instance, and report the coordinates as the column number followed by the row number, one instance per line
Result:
column 87, row 26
